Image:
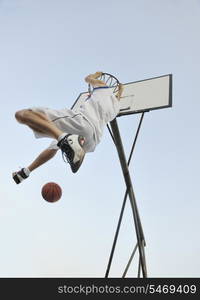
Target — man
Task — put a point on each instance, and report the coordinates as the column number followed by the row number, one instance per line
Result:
column 75, row 132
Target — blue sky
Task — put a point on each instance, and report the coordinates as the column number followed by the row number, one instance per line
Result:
column 47, row 48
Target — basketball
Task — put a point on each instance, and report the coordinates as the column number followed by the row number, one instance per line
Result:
column 51, row 192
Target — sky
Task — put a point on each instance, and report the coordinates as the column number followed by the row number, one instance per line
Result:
column 46, row 50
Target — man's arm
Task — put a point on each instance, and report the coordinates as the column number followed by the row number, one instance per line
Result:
column 120, row 91
column 92, row 79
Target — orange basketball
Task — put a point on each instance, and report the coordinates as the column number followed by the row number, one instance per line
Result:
column 51, row 192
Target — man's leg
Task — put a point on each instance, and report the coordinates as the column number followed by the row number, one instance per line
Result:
column 38, row 122
column 71, row 145
column 24, row 173
column 45, row 156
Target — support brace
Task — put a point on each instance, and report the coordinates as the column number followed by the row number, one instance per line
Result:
column 138, row 227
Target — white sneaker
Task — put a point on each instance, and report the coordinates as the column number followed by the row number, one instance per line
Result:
column 72, row 149
column 20, row 175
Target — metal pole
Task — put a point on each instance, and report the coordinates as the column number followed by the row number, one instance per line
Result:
column 124, row 201
column 116, row 235
column 129, row 262
column 129, row 186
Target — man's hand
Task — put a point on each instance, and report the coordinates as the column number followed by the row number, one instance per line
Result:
column 92, row 79
column 120, row 91
column 98, row 74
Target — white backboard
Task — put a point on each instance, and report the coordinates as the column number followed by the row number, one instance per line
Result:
column 141, row 96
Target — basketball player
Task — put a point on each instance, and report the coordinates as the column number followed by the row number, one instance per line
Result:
column 74, row 132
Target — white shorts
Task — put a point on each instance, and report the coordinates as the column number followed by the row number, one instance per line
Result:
column 89, row 120
column 70, row 122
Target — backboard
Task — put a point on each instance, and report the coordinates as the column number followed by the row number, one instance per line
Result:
column 141, row 96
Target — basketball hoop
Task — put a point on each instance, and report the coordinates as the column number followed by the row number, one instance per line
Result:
column 110, row 81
